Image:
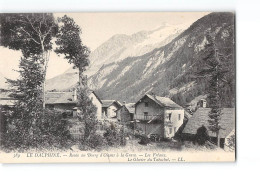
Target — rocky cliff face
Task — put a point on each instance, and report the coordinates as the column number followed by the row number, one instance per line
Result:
column 169, row 70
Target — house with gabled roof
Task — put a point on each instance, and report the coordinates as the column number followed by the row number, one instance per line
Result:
column 109, row 108
column 67, row 101
column 200, row 118
column 155, row 115
column 126, row 113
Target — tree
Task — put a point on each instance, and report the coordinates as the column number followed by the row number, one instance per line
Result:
column 27, row 113
column 28, row 124
column 31, row 33
column 215, row 71
column 202, row 135
column 70, row 44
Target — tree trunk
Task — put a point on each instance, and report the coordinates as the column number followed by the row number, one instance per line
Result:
column 218, row 139
column 81, row 78
column 44, row 74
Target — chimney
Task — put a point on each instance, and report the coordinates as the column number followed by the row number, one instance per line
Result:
column 203, row 103
column 75, row 94
column 123, row 102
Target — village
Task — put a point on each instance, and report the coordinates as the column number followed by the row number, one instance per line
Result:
column 158, row 118
column 177, row 93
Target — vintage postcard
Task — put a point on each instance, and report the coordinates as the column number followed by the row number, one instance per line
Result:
column 117, row 87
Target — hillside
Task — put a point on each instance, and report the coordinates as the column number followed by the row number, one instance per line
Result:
column 117, row 48
column 169, row 70
column 166, row 67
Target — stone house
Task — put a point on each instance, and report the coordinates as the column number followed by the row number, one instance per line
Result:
column 200, row 118
column 126, row 113
column 67, row 102
column 158, row 115
column 109, row 108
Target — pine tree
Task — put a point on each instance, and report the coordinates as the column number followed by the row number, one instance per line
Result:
column 215, row 71
column 28, row 110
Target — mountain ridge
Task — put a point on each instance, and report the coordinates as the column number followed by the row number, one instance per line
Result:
column 169, row 70
column 119, row 47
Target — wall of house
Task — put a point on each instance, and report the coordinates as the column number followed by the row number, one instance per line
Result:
column 64, row 106
column 152, row 109
column 123, row 115
column 172, row 123
column 111, row 111
column 98, row 105
column 150, row 128
column 226, row 142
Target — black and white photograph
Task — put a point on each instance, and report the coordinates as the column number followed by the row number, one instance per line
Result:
column 118, row 87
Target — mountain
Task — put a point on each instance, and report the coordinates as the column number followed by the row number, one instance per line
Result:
column 116, row 49
column 170, row 69
column 130, row 66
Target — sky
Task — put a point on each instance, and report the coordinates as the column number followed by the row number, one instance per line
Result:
column 96, row 29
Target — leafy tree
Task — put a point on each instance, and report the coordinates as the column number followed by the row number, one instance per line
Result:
column 70, row 44
column 28, row 125
column 215, row 71
column 31, row 33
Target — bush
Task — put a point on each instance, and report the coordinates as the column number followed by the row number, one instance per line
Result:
column 47, row 132
column 115, row 136
column 144, row 140
column 202, row 135
column 94, row 141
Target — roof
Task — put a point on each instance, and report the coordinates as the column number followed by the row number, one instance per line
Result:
column 63, row 97
column 130, row 107
column 107, row 103
column 66, row 98
column 7, row 102
column 187, row 115
column 5, row 99
column 52, row 97
column 200, row 117
column 163, row 101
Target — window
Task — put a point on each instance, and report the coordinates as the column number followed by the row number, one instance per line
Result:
column 170, row 116
column 179, row 117
column 145, row 115
column 170, row 130
column 146, row 104
column 175, row 130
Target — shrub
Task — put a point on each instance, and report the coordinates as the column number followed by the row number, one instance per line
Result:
column 94, row 141
column 115, row 136
column 144, row 140
column 202, row 135
column 47, row 132
column 232, row 142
